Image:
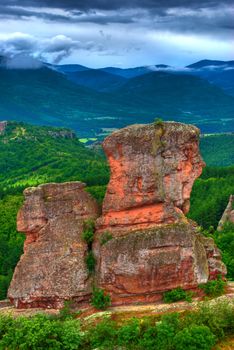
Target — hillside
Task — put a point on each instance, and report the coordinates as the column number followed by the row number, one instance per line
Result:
column 30, row 155
column 46, row 97
column 97, row 80
column 218, row 150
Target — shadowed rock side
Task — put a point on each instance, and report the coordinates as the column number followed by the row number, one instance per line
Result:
column 153, row 168
column 228, row 215
column 53, row 268
column 151, row 246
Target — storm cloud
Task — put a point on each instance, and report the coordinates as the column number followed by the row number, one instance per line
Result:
column 114, row 31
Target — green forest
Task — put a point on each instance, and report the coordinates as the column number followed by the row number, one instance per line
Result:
column 31, row 155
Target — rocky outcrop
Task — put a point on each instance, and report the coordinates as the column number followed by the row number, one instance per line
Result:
column 152, row 247
column 144, row 245
column 52, row 268
column 228, row 215
column 153, row 168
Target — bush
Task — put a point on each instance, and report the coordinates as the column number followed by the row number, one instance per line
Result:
column 88, row 231
column 194, row 338
column 105, row 237
column 129, row 333
column 90, row 262
column 214, row 288
column 103, row 334
column 100, row 300
column 66, row 312
column 40, row 332
column 177, row 294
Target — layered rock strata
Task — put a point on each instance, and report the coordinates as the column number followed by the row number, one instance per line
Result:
column 52, row 268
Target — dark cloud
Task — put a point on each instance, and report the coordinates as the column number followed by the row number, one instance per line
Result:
column 115, row 4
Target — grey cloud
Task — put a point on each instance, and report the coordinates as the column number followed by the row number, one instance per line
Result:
column 24, row 50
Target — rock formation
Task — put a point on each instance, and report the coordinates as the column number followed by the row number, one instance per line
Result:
column 153, row 168
column 228, row 215
column 153, row 247
column 144, row 244
column 53, row 267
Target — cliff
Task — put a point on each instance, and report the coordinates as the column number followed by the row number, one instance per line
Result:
column 143, row 244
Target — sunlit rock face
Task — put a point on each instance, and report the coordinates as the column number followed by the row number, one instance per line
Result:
column 153, row 168
column 152, row 247
column 52, row 268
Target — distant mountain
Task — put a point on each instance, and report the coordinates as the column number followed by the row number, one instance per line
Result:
column 211, row 63
column 219, row 73
column 129, row 73
column 97, row 80
column 69, row 68
column 47, row 97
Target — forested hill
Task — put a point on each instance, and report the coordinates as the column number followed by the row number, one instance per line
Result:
column 30, row 155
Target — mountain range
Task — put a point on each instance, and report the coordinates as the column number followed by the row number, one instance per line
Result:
column 96, row 101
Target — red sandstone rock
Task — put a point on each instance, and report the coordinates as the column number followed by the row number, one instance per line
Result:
column 140, row 266
column 154, row 247
column 153, row 168
column 53, row 268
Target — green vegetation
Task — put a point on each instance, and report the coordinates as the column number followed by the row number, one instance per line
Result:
column 199, row 329
column 46, row 97
column 218, row 150
column 210, row 195
column 105, row 237
column 100, row 300
column 214, row 288
column 177, row 294
column 88, row 232
column 225, row 242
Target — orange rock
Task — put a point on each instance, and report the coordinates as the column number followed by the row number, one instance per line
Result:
column 53, row 267
column 153, row 168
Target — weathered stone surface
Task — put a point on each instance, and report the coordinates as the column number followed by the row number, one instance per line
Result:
column 153, row 168
column 153, row 246
column 53, row 268
column 228, row 215
column 140, row 266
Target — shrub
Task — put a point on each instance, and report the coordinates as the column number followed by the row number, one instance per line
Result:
column 66, row 312
column 100, row 300
column 129, row 333
column 103, row 334
column 177, row 294
column 41, row 332
column 88, row 231
column 194, row 338
column 105, row 237
column 90, row 262
column 158, row 122
column 214, row 288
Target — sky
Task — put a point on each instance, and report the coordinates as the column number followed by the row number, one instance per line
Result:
column 120, row 33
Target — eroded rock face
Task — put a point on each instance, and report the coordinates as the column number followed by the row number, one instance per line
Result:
column 228, row 215
column 53, row 268
column 140, row 266
column 152, row 246
column 153, row 168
